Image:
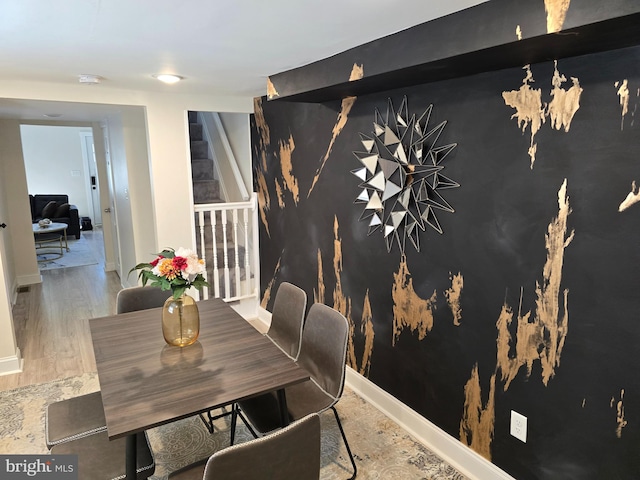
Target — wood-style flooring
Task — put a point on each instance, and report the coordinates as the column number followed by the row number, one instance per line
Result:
column 51, row 320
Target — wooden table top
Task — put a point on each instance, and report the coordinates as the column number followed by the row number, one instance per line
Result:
column 146, row 383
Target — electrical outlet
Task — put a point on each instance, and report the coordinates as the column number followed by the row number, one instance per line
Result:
column 519, row 426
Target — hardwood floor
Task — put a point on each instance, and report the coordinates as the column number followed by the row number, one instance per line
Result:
column 51, row 320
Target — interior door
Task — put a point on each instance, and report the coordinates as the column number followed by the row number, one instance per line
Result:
column 92, row 170
column 110, row 211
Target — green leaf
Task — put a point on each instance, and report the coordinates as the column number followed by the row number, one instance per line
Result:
column 140, row 266
column 167, row 253
column 178, row 291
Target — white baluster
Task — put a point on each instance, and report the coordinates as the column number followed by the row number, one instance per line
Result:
column 227, row 283
column 203, row 251
column 216, row 273
column 236, row 252
column 247, row 268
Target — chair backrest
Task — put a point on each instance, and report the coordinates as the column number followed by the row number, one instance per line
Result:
column 287, row 318
column 323, row 352
column 290, row 453
column 140, row 298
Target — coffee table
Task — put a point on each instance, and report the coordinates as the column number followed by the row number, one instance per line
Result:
column 146, row 383
column 54, row 232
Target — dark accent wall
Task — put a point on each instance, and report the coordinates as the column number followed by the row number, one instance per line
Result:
column 547, row 319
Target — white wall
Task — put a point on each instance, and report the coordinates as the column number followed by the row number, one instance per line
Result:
column 163, row 199
column 167, row 200
column 21, row 253
column 10, row 360
column 236, row 127
column 132, row 190
column 54, row 163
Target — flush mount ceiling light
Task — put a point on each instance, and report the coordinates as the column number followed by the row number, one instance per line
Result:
column 52, row 115
column 167, row 77
column 88, row 79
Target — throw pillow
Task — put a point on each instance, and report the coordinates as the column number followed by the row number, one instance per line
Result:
column 62, row 211
column 49, row 209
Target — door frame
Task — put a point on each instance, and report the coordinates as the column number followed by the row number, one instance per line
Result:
column 91, row 170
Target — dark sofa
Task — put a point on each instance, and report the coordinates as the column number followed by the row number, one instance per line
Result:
column 61, row 212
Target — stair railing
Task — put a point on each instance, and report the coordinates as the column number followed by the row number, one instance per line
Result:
column 229, row 228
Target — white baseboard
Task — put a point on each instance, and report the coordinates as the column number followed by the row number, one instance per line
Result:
column 12, row 364
column 450, row 449
column 109, row 267
column 29, row 279
column 264, row 316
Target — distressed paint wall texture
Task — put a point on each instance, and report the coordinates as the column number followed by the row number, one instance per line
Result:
column 527, row 301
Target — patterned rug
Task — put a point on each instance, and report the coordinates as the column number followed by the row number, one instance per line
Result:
column 80, row 253
column 382, row 449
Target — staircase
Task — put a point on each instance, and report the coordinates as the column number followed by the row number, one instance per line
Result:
column 224, row 231
column 206, row 187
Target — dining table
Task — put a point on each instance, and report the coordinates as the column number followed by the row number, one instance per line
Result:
column 146, row 383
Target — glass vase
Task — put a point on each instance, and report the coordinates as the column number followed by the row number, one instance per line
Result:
column 180, row 321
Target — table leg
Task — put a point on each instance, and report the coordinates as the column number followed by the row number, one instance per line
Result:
column 66, row 244
column 284, row 413
column 131, row 457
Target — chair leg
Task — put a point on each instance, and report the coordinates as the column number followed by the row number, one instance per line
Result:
column 247, row 423
column 234, row 420
column 208, row 422
column 346, row 444
column 235, row 413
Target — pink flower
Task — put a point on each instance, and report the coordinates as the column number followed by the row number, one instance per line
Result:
column 155, row 262
column 179, row 263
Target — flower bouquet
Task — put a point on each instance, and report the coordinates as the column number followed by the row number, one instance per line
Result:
column 175, row 270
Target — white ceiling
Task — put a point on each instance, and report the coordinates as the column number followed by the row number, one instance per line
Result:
column 220, row 47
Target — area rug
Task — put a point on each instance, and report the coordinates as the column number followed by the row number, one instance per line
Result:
column 80, row 253
column 382, row 449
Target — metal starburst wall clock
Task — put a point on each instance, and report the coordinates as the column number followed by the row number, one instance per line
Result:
column 401, row 175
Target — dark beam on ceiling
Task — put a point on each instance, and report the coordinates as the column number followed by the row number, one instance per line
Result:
column 475, row 40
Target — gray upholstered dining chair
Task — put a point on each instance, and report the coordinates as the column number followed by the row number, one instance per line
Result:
column 323, row 354
column 287, row 319
column 133, row 299
column 83, row 415
column 285, row 331
column 102, row 459
column 290, row 453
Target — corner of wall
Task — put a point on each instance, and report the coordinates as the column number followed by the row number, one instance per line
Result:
column 12, row 364
column 28, row 280
column 248, row 309
column 264, row 317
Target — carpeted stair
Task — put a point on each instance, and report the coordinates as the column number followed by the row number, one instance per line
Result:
column 206, row 188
